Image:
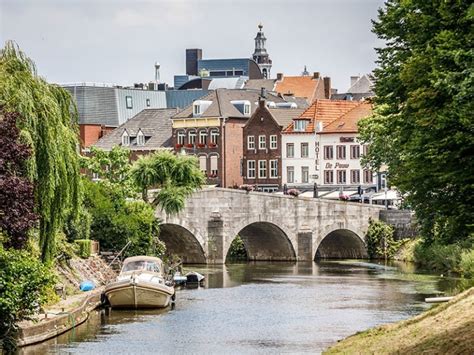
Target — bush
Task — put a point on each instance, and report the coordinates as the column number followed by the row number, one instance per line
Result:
column 439, row 257
column 379, row 240
column 84, row 247
column 466, row 264
column 25, row 285
column 237, row 250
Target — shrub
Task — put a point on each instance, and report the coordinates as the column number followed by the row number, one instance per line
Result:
column 439, row 257
column 84, row 247
column 25, row 285
column 466, row 264
column 237, row 249
column 379, row 240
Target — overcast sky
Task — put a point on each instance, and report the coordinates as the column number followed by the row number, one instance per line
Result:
column 117, row 41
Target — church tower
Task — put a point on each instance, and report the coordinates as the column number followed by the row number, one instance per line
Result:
column 260, row 54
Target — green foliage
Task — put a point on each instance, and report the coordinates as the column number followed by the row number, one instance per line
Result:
column 380, row 242
column 423, row 128
column 25, row 285
column 78, row 226
column 50, row 129
column 439, row 257
column 176, row 177
column 84, row 246
column 237, row 249
column 116, row 220
column 466, row 265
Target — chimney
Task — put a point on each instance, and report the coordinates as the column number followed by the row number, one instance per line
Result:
column 316, row 75
column 157, row 72
column 354, row 79
column 327, row 87
column 263, row 93
column 279, row 76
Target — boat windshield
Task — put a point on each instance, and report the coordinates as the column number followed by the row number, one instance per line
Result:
column 141, row 266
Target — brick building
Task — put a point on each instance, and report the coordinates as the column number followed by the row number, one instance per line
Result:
column 211, row 129
column 261, row 160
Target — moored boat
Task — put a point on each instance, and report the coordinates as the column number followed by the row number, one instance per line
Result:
column 140, row 284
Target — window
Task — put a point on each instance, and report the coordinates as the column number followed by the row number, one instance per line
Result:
column 304, row 174
column 328, row 152
column 140, row 138
column 214, row 136
column 328, row 176
column 262, row 142
column 355, row 151
column 304, row 150
column 246, row 109
column 273, row 142
column 238, row 72
column 125, row 139
column 250, row 169
column 181, row 136
column 341, row 176
column 273, row 169
column 290, row 174
column 300, row 125
column 355, row 176
column 203, row 163
column 128, row 102
column 202, row 137
column 340, row 151
column 196, row 110
column 262, row 169
column 214, row 170
column 290, row 150
column 148, row 103
column 365, row 149
column 368, row 178
column 250, row 142
column 191, row 137
column 95, row 176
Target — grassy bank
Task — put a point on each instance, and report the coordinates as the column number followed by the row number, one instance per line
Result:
column 446, row 328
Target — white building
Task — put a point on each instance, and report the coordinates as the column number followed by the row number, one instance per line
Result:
column 321, row 147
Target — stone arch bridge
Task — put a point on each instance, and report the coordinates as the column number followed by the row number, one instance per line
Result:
column 273, row 227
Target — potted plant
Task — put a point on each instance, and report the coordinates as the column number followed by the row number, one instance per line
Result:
column 293, row 192
column 343, row 197
column 178, row 146
column 246, row 187
column 189, row 145
column 201, row 145
column 212, row 145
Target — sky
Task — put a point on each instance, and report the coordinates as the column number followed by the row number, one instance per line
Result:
column 118, row 42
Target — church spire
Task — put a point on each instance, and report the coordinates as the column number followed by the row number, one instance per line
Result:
column 260, row 54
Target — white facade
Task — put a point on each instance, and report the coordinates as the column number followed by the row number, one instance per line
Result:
column 333, row 161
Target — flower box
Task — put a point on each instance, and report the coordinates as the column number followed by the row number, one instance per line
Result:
column 212, row 145
column 200, row 145
column 212, row 176
column 293, row 192
column 178, row 146
column 189, row 145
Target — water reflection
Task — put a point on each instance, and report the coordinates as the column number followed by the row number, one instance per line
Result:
column 264, row 307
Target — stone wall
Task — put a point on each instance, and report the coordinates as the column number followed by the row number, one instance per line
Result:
column 403, row 221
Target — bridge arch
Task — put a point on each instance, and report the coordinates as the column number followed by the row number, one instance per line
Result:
column 341, row 243
column 182, row 242
column 264, row 241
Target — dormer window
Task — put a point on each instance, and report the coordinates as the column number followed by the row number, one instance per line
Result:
column 125, row 139
column 200, row 106
column 243, row 106
column 300, row 125
column 196, row 110
column 140, row 138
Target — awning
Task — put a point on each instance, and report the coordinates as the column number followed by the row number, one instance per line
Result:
column 390, row 195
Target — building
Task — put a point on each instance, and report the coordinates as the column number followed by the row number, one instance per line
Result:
column 260, row 55
column 148, row 131
column 361, row 88
column 261, row 160
column 320, row 147
column 308, row 87
column 211, row 129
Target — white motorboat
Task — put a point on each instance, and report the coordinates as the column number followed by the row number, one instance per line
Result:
column 140, row 284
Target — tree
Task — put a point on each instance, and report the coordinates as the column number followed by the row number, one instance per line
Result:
column 49, row 128
column 176, row 177
column 423, row 128
column 16, row 191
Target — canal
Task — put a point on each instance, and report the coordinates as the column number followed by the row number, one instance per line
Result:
column 260, row 307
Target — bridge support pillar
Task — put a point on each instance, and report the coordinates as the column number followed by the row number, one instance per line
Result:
column 305, row 246
column 215, row 244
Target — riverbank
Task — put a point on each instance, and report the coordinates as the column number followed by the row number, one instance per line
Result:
column 446, row 328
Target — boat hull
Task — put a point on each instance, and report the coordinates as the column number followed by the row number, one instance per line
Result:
column 130, row 294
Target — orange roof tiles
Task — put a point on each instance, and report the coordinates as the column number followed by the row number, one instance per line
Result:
column 301, row 86
column 347, row 113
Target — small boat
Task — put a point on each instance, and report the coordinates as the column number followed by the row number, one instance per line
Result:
column 179, row 279
column 194, row 277
column 140, row 284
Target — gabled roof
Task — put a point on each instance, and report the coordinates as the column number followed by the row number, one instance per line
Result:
column 324, row 111
column 155, row 125
column 347, row 123
column 221, row 105
column 363, row 85
column 258, row 84
column 301, row 86
column 284, row 116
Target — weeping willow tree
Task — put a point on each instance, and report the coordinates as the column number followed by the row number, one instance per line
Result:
column 50, row 128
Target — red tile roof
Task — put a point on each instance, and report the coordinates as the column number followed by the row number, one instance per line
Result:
column 301, row 86
column 328, row 111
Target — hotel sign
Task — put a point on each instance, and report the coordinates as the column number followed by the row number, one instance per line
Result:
column 347, row 139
